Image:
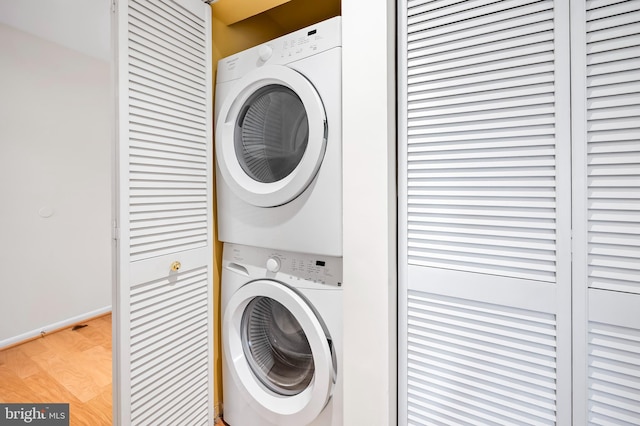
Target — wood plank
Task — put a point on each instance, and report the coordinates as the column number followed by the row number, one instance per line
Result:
column 96, row 411
column 66, row 366
column 32, row 347
column 12, row 387
column 96, row 362
column 73, row 377
column 44, row 388
column 19, row 362
column 73, row 368
column 98, row 332
column 67, row 342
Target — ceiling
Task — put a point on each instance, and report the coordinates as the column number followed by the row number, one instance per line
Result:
column 81, row 25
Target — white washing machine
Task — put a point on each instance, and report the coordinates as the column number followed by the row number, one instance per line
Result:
column 281, row 338
column 279, row 143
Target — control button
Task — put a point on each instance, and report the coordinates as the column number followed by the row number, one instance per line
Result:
column 273, row 264
column 265, row 52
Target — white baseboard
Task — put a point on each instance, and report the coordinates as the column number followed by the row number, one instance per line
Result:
column 55, row 326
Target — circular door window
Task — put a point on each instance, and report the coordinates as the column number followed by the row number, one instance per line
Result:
column 276, row 347
column 271, row 136
column 278, row 352
column 272, row 133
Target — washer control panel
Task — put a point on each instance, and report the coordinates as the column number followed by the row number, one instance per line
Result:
column 295, row 267
column 273, row 264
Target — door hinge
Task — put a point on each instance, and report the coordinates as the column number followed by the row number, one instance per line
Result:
column 113, row 6
column 115, row 231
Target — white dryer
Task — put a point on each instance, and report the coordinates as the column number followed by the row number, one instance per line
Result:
column 279, row 143
column 281, row 338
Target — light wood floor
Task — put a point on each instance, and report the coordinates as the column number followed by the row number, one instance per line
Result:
column 67, row 366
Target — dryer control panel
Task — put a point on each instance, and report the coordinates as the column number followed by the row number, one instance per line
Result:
column 294, row 268
column 284, row 50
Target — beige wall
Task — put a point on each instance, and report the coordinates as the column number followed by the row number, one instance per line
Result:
column 55, row 139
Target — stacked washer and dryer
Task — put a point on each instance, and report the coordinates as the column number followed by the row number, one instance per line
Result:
column 279, row 189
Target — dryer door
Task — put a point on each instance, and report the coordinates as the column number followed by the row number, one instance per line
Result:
column 271, row 136
column 279, row 353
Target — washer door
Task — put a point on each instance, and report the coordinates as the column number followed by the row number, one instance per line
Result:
column 271, row 136
column 278, row 353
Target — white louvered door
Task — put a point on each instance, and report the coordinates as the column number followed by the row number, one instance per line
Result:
column 163, row 361
column 484, row 213
column 606, row 149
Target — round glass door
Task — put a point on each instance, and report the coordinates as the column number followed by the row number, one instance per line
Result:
column 272, row 132
column 276, row 347
column 271, row 135
column 278, row 352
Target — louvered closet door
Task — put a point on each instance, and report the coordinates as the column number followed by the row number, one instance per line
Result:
column 606, row 120
column 164, row 343
column 484, row 213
